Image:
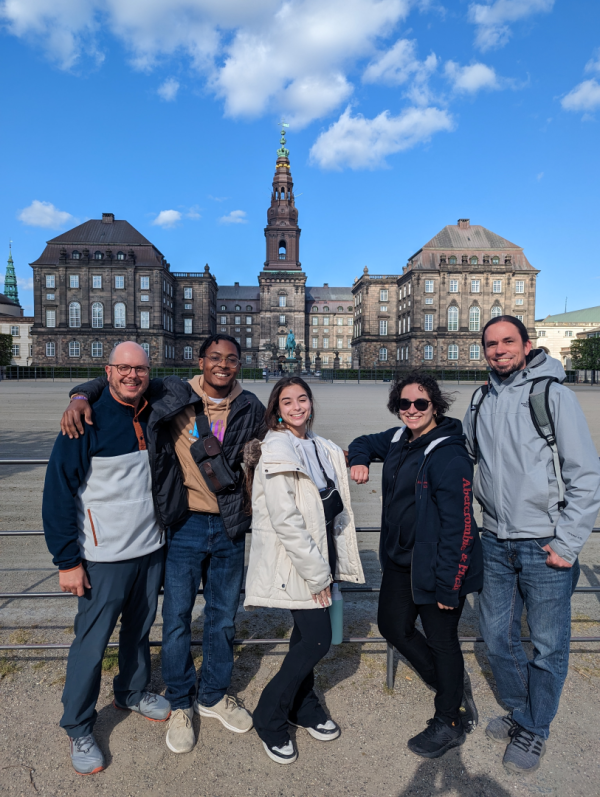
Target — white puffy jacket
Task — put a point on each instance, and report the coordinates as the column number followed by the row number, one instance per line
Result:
column 288, row 555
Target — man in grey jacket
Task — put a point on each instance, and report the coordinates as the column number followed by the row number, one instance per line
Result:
column 531, row 538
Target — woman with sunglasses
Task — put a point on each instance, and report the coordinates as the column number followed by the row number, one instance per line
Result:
column 303, row 537
column 430, row 551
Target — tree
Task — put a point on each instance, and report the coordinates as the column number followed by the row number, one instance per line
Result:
column 585, row 354
column 5, row 349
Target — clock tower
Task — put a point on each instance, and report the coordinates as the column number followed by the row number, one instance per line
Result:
column 282, row 232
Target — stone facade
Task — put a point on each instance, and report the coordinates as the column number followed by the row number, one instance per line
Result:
column 20, row 329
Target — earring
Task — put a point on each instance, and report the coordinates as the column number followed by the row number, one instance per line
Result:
column 279, row 420
column 310, row 417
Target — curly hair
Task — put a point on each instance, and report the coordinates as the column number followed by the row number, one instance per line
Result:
column 441, row 401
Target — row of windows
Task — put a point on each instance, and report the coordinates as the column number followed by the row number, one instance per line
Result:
column 238, row 319
column 119, row 280
column 474, row 260
column 339, row 343
column 475, row 286
column 474, row 352
column 97, row 349
column 237, row 308
column 568, row 333
column 340, row 309
column 340, row 322
column 75, row 255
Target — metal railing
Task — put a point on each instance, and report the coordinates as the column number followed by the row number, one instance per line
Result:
column 249, row 641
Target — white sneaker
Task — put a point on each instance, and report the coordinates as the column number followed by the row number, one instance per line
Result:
column 180, row 733
column 324, row 732
column 281, row 755
column 228, row 710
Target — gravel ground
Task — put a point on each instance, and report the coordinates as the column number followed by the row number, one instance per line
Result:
column 370, row 758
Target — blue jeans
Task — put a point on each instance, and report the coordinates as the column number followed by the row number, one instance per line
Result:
column 200, row 549
column 516, row 576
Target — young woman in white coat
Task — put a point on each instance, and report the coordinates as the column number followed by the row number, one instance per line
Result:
column 294, row 557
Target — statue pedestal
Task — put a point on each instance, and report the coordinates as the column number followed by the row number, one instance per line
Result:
column 292, row 365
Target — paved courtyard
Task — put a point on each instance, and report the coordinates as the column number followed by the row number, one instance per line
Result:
column 370, row 758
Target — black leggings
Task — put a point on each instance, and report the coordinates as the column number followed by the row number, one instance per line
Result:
column 437, row 656
column 290, row 694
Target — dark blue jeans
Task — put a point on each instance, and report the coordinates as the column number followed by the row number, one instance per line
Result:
column 200, row 549
column 516, row 576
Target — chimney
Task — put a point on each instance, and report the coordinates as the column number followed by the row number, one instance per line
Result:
column 464, row 224
column 326, row 285
column 237, row 284
column 108, row 218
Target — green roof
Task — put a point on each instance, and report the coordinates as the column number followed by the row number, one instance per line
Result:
column 591, row 315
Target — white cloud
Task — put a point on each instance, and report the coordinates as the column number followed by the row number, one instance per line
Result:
column 193, row 213
column 400, row 66
column 493, row 19
column 584, row 97
column 472, row 78
column 235, row 217
column 361, row 143
column 167, row 219
column 44, row 214
column 539, row 176
column 167, row 91
column 593, row 65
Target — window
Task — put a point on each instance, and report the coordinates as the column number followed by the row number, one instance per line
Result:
column 187, row 294
column 248, row 358
column 75, row 255
column 74, row 314
column 223, row 319
column 74, row 348
column 73, row 280
column 542, row 333
column 185, row 306
column 383, row 295
column 145, row 319
column 98, row 255
column 496, row 311
column 119, row 315
column 519, row 286
column 453, row 352
column 223, row 307
column 146, row 348
column 383, row 326
column 145, row 283
column 326, row 309
column 428, row 352
column 96, row 349
column 50, row 281
column 187, row 326
column 429, row 300
column 497, row 286
column 428, row 327
column 145, row 298
column 340, row 322
column 248, row 320
column 238, row 307
column 16, row 349
column 474, row 260
column 568, row 333
column 249, row 307
column 50, row 350
column 325, row 360
column 315, row 343
column 248, row 343
column 50, row 297
column 495, row 260
column 474, row 319
column 519, row 302
column 428, row 286
column 15, row 332
column 453, row 286
column 281, row 320
column 97, row 315
column 121, row 256
column 383, row 308
column 453, row 319
column 340, row 343
column 187, row 352
column 97, row 281
column 520, row 317
column 475, row 286
column 119, row 282
column 383, row 355
column 349, row 322
column 281, row 341
column 282, row 301
column 474, row 352
column 50, row 318
column 325, row 320
column 325, row 343
column 238, row 319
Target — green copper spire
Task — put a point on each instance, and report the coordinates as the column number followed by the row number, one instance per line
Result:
column 283, row 152
column 10, row 281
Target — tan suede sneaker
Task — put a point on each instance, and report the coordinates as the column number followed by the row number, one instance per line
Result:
column 180, row 733
column 228, row 710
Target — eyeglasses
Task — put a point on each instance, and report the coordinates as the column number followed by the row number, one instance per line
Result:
column 217, row 358
column 420, row 404
column 124, row 370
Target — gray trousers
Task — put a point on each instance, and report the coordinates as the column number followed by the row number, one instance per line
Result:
column 130, row 589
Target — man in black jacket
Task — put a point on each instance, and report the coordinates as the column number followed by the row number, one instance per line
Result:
column 205, row 529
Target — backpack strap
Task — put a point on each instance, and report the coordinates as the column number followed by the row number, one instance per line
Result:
column 539, row 407
column 476, row 402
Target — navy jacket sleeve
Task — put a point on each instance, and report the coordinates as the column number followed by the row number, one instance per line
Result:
column 370, row 448
column 452, row 491
column 66, row 471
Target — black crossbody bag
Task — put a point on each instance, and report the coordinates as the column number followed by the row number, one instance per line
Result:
column 208, row 455
column 332, row 500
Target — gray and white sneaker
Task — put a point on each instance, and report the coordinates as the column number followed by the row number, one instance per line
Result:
column 324, row 731
column 86, row 756
column 180, row 732
column 525, row 751
column 153, row 707
column 500, row 729
column 286, row 754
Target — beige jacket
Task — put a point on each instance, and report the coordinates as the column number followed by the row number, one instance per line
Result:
column 288, row 554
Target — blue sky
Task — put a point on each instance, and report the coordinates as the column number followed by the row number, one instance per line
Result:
column 405, row 115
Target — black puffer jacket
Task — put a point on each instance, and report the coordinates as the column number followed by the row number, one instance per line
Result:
column 167, row 397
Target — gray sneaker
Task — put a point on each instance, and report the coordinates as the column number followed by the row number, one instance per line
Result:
column 180, row 732
column 86, row 756
column 500, row 729
column 154, row 707
column 229, row 711
column 525, row 751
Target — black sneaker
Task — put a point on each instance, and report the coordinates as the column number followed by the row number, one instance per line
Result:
column 284, row 754
column 525, row 751
column 469, row 716
column 324, row 732
column 439, row 737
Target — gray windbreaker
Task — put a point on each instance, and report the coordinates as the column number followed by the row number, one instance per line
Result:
column 515, row 482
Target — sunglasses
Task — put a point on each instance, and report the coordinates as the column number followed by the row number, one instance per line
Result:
column 420, row 404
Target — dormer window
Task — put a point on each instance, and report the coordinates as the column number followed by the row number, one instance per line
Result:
column 496, row 260
column 75, row 255
column 452, row 260
column 98, row 255
column 223, row 307
column 238, row 307
column 326, row 309
column 120, row 255
column 474, row 260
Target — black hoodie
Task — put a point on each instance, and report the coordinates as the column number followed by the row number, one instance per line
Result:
column 427, row 522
